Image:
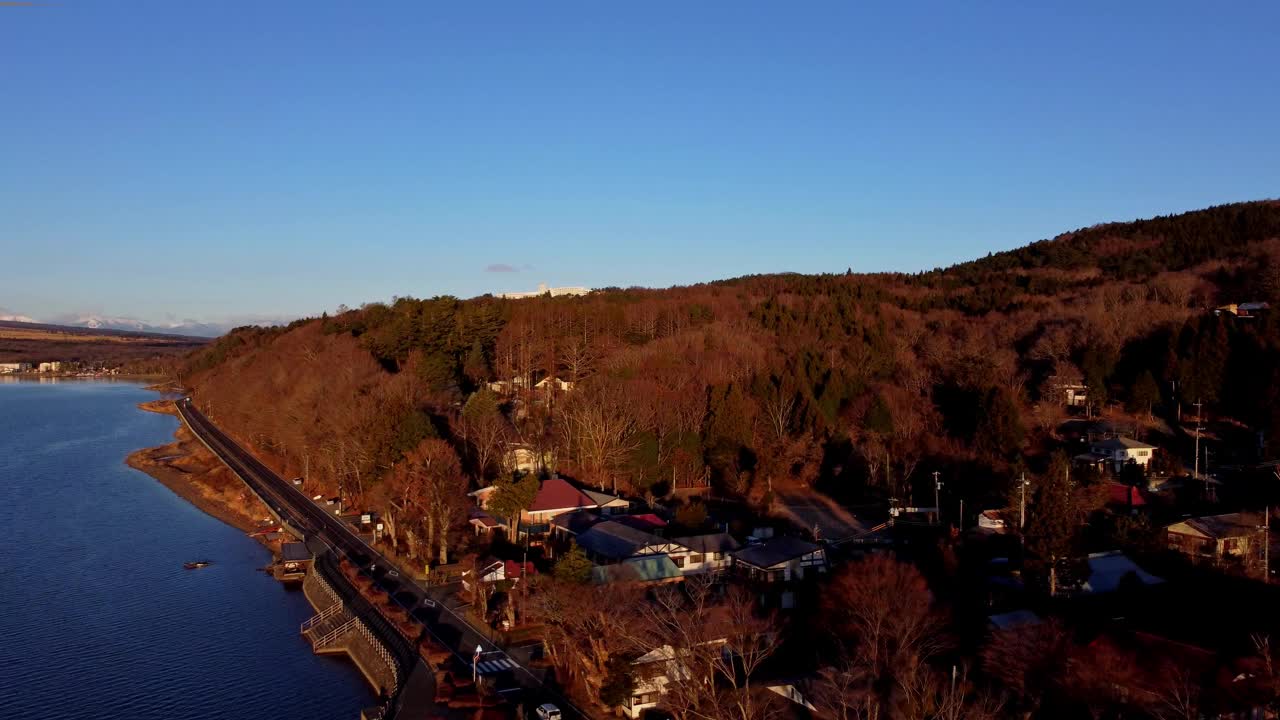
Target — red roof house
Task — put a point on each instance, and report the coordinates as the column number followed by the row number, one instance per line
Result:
column 556, row 497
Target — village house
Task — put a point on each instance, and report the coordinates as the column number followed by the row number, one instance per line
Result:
column 992, row 521
column 1110, row 571
column 492, row 570
column 1069, row 390
column 15, row 367
column 550, row 383
column 555, row 497
column 612, row 541
column 1113, row 453
column 653, row 672
column 1218, row 539
column 707, row 553
column 779, row 560
column 525, row 458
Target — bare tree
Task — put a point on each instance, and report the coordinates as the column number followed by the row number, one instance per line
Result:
column 717, row 643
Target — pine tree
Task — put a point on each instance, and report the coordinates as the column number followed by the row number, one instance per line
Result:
column 573, row 567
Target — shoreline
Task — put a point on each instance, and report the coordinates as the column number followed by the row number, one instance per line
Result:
column 191, row 472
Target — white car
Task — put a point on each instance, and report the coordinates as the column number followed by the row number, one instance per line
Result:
column 547, row 711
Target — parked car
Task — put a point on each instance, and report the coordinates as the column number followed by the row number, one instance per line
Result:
column 547, row 711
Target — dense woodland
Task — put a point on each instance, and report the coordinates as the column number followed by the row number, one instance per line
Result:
column 858, row 385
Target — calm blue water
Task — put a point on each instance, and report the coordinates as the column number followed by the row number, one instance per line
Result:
column 97, row 617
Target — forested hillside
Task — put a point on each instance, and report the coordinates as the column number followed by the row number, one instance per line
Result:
column 860, row 384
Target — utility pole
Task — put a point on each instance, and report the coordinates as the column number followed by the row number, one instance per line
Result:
column 1198, row 429
column 937, row 496
column 961, row 521
column 1022, row 506
column 1266, row 546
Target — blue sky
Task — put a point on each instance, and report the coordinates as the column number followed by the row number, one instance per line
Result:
column 223, row 160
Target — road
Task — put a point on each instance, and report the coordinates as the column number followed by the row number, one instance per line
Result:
column 509, row 672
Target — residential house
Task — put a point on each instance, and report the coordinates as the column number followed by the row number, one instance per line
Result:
column 1113, row 453
column 552, row 383
column 555, row 497
column 1109, row 571
column 992, row 521
column 654, row 672
column 1069, row 390
column 612, row 541
column 49, row 367
column 1243, row 310
column 644, row 570
column 707, row 553
column 492, row 570
column 15, row 367
column 1217, row 539
column 525, row 458
column 609, row 504
column 780, row 559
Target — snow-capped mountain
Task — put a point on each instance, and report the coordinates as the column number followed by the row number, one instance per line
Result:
column 184, row 327
column 96, row 321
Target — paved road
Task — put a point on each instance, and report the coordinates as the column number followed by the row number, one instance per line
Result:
column 508, row 671
column 816, row 512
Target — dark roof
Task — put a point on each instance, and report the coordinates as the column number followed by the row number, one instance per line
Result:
column 576, row 522
column 774, row 551
column 294, row 552
column 557, row 494
column 1122, row 443
column 717, row 542
column 616, row 541
column 1219, row 526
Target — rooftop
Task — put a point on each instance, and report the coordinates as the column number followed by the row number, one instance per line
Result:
column 655, row 568
column 294, row 552
column 558, row 494
column 1219, row 526
column 577, row 522
column 603, row 499
column 1122, row 443
column 775, row 551
column 1107, row 570
column 616, row 541
column 717, row 542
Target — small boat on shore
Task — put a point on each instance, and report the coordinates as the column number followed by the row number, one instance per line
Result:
column 197, row 564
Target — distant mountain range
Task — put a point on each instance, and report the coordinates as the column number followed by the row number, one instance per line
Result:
column 92, row 321
column 184, row 327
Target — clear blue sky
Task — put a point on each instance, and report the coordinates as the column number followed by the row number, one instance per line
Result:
column 224, row 159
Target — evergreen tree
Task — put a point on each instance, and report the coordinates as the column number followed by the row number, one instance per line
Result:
column 1051, row 525
column 1145, row 393
column 573, row 567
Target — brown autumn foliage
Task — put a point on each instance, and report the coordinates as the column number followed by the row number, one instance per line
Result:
column 863, row 384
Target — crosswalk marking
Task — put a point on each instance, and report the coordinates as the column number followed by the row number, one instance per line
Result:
column 493, row 666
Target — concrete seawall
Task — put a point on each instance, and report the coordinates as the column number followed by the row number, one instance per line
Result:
column 337, row 629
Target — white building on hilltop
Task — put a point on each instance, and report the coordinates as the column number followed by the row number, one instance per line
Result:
column 544, row 290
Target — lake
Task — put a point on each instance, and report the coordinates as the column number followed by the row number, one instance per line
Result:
column 98, row 619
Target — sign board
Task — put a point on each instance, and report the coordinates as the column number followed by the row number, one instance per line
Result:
column 366, row 519
column 379, row 526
